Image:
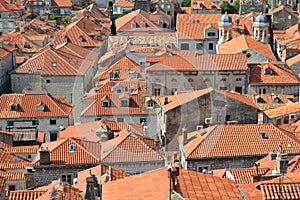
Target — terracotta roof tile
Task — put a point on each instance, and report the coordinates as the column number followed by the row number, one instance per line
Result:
column 239, row 140
column 138, row 16
column 86, row 152
column 280, row 74
column 26, row 102
column 293, row 60
column 124, row 4
column 243, row 42
column 206, row 4
column 23, row 149
column 5, row 7
column 65, row 59
column 2, row 183
column 183, row 98
column 61, row 3
column 25, row 194
column 192, row 185
column 283, row 110
column 13, row 175
column 100, row 173
column 9, row 158
column 87, row 131
column 129, row 148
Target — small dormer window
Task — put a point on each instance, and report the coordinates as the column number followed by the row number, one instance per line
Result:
column 268, row 71
column 143, row 24
column 26, row 45
column 277, row 100
column 150, row 104
column 135, row 75
column 133, row 25
column 124, row 103
column 41, row 107
column 80, row 39
column 54, row 64
column 200, row 5
column 105, row 104
column 111, row 75
column 13, row 107
column 72, row 148
column 66, row 39
column 263, row 136
column 260, row 100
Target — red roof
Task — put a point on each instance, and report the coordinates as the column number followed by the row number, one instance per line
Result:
column 239, row 140
column 86, row 152
column 61, row 3
column 27, row 106
column 278, row 73
column 283, row 110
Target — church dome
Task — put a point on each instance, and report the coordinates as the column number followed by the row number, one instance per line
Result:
column 226, row 18
column 261, row 19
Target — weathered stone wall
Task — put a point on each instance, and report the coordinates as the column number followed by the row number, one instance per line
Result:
column 21, row 81
column 283, row 20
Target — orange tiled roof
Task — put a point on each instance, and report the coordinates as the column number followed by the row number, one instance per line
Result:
column 61, row 3
column 26, row 102
column 14, row 166
column 283, row 110
column 280, row 73
column 87, row 131
column 124, row 4
column 86, row 152
column 2, row 184
column 293, row 60
column 66, row 59
column 23, row 149
column 138, row 16
column 183, row 98
column 8, row 158
column 13, row 175
column 187, row 61
column 5, row 7
column 206, row 4
column 25, row 194
column 129, row 148
column 154, row 185
column 243, row 42
column 100, row 173
column 239, row 140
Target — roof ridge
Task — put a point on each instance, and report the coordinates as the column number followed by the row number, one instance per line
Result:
column 55, row 103
column 84, row 148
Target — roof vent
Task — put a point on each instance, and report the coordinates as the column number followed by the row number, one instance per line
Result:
column 54, row 64
column 263, row 136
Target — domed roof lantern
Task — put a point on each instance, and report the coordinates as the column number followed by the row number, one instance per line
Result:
column 261, row 19
column 226, row 18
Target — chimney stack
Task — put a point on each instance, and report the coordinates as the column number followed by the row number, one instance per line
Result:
column 44, row 156
column 184, row 134
column 92, row 187
column 281, row 163
column 29, row 177
column 166, row 101
column 273, row 155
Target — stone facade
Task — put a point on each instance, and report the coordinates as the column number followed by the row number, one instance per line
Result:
column 137, row 167
column 51, row 130
column 204, row 111
column 7, row 64
column 284, row 19
column 38, row 8
column 170, row 82
column 252, row 6
column 8, row 21
column 45, row 174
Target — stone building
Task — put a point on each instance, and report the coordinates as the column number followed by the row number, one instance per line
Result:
column 132, row 153
column 233, row 146
column 247, row 6
column 272, row 77
column 64, row 159
column 34, row 111
column 199, row 109
column 187, row 71
column 38, row 8
column 10, row 13
column 64, row 70
column 283, row 18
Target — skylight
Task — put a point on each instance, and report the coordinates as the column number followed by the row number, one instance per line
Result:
column 263, row 136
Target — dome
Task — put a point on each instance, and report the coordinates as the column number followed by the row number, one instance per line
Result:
column 226, row 18
column 261, row 19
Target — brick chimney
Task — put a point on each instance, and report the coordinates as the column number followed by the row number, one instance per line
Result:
column 44, row 156
column 273, row 155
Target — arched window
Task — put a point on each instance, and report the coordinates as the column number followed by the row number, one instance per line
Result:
column 277, row 100
column 72, row 148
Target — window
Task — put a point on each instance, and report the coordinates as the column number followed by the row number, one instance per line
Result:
column 190, row 80
column 211, row 34
column 120, row 119
column 13, row 107
column 292, row 116
column 29, row 157
column 35, row 122
column 199, row 46
column 111, row 75
column 11, row 187
column 150, row 104
column 268, row 71
column 72, row 148
column 219, row 118
column 278, row 121
column 67, row 178
column 263, row 136
column 203, row 168
column 199, row 127
column 173, row 80
column 105, row 104
column 277, row 100
column 124, row 103
column 10, row 123
column 211, row 46
column 81, row 39
column 133, row 25
column 143, row 24
column 223, row 80
column 53, row 136
column 143, row 120
column 48, row 81
column 173, row 91
column 286, row 119
column 223, row 88
column 157, row 92
column 208, row 120
column 52, row 121
column 260, row 100
column 239, row 89
column 238, row 80
column 184, row 46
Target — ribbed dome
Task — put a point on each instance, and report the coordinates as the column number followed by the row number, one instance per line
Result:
column 261, row 19
column 226, row 18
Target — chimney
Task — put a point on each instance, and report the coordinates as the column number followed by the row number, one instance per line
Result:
column 29, row 177
column 92, row 187
column 281, row 163
column 273, row 155
column 51, row 46
column 184, row 134
column 166, row 101
column 44, row 156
